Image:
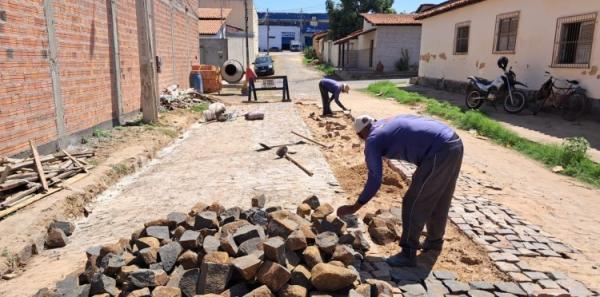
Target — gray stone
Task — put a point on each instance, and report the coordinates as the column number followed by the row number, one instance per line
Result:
column 282, row 227
column 530, row 288
column 251, row 246
column 259, row 217
column 112, row 263
column 535, row 275
column 435, row 287
column 404, row 274
column 177, row 219
column 214, row 276
column 456, row 287
column 191, row 240
column 149, row 255
column 301, row 276
column 512, row 288
column 148, row 278
column 548, row 284
column 313, row 201
column 523, row 266
column 412, row 289
column 168, row 255
column 101, row 283
column 67, row 227
column 555, row 275
column 211, row 244
column 273, row 275
column 247, row 266
column 236, row 290
column 274, row 249
column 230, row 215
column 327, row 242
column 382, row 275
column 259, row 201
column 548, row 253
column 312, row 256
column 482, row 286
column 206, row 220
column 189, row 282
column 247, row 232
column 574, row 287
column 479, row 293
column 507, row 267
column 296, row 241
column 159, row 232
column 444, row 275
column 56, row 238
column 519, row 277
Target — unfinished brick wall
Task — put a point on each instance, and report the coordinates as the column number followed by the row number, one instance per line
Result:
column 86, row 74
column 26, row 104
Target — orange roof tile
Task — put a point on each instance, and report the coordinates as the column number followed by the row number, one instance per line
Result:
column 391, row 19
column 353, row 35
column 209, row 27
column 444, row 7
column 213, row 13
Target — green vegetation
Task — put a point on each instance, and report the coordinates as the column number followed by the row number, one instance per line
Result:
column 571, row 155
column 310, row 53
column 99, row 133
column 344, row 16
column 121, row 169
column 327, row 69
column 200, row 107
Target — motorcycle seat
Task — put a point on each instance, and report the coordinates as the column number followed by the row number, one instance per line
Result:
column 482, row 80
column 573, row 82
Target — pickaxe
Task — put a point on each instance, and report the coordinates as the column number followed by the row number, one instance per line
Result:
column 282, row 152
column 270, row 147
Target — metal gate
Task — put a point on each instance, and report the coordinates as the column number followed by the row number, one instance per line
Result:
column 213, row 51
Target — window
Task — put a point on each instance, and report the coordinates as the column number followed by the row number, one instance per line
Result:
column 506, row 32
column 461, row 40
column 573, row 41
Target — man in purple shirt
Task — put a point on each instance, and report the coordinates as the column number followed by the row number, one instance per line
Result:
column 437, row 151
column 327, row 86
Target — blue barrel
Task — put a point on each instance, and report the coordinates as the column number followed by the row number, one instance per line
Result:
column 196, row 82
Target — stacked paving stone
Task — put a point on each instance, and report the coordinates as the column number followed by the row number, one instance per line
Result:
column 213, row 251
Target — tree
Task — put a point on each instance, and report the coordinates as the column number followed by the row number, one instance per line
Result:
column 344, row 17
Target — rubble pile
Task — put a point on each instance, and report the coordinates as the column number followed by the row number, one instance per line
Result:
column 213, row 251
column 173, row 98
column 385, row 226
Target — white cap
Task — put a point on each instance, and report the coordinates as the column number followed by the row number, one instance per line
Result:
column 361, row 122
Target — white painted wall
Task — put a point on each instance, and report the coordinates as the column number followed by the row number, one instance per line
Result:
column 276, row 32
column 534, row 47
column 391, row 40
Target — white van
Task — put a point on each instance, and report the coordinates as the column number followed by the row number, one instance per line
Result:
column 295, row 46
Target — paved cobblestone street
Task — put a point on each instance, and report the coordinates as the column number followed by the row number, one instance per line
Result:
column 214, row 163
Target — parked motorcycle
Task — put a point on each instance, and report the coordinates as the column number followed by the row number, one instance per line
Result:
column 481, row 90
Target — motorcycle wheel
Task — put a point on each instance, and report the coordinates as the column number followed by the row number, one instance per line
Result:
column 517, row 104
column 473, row 100
column 575, row 107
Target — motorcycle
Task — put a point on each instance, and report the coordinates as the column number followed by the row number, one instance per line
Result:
column 481, row 90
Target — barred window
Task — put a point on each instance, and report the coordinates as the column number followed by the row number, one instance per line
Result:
column 506, row 32
column 573, row 41
column 461, row 40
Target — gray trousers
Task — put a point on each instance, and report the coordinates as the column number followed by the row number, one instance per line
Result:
column 428, row 198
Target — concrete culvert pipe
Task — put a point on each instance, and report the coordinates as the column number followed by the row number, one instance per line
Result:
column 233, row 71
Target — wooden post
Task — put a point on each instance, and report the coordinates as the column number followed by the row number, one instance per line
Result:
column 38, row 165
column 148, row 76
column 116, row 63
column 173, row 60
column 59, row 112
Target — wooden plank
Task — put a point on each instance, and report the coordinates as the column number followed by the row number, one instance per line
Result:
column 18, row 196
column 5, row 173
column 75, row 161
column 38, row 165
column 33, row 199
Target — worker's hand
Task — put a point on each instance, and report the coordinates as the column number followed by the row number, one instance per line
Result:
column 348, row 210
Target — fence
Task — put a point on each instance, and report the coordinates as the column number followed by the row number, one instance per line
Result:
column 69, row 66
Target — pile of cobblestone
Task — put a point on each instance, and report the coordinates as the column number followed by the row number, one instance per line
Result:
column 212, row 251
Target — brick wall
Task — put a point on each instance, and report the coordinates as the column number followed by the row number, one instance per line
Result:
column 84, row 55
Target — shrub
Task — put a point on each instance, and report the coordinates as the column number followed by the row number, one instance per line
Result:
column 310, row 53
column 403, row 62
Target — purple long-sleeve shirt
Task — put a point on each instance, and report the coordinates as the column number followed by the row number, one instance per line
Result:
column 333, row 87
column 408, row 138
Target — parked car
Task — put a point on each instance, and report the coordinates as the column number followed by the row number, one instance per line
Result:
column 295, row 46
column 263, row 65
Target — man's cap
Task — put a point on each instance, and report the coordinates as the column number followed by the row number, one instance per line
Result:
column 362, row 122
column 345, row 88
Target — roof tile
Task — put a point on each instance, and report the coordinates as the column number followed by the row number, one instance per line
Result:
column 390, row 19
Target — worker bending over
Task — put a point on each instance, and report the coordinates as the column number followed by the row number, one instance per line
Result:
column 437, row 151
column 327, row 86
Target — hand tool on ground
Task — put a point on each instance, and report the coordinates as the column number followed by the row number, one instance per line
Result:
column 270, row 147
column 282, row 152
column 311, row 140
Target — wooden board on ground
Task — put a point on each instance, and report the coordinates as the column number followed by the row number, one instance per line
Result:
column 38, row 165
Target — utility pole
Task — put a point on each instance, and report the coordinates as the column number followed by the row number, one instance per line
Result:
column 301, row 39
column 247, row 36
column 268, row 33
column 149, row 79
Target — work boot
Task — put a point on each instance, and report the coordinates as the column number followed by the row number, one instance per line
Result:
column 406, row 258
column 432, row 245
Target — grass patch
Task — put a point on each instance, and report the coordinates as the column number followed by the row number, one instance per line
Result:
column 327, row 69
column 99, row 133
column 571, row 155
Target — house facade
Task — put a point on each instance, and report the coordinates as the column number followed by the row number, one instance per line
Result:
column 308, row 25
column 466, row 37
column 385, row 39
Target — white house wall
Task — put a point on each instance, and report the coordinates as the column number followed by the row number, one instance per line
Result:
column 534, row 46
column 276, row 32
column 391, row 40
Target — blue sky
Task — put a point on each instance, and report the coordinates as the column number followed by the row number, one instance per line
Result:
column 319, row 5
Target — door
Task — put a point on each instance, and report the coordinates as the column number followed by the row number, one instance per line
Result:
column 371, row 47
column 286, row 39
column 213, row 51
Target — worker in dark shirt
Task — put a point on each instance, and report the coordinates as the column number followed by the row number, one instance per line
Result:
column 327, row 86
column 437, row 151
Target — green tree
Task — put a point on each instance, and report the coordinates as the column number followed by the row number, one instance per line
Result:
column 344, row 17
